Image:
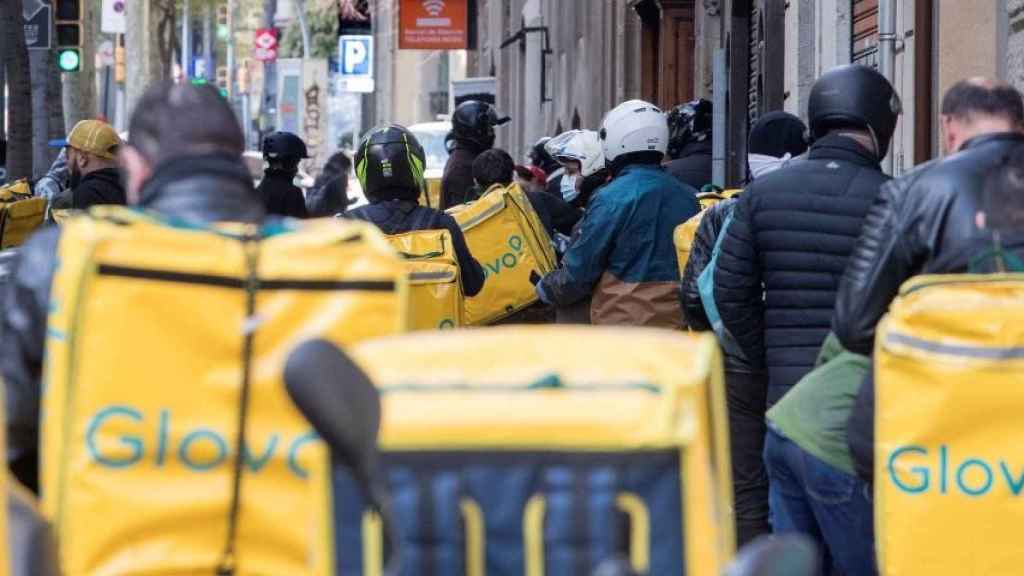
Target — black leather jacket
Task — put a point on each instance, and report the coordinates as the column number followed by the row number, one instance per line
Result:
column 914, row 221
column 201, row 189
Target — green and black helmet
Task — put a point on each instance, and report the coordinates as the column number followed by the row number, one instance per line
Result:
column 390, row 163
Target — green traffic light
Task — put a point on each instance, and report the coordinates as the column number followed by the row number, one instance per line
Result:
column 222, row 32
column 69, row 60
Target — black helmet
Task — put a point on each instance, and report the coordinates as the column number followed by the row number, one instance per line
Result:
column 855, row 95
column 690, row 122
column 474, row 121
column 284, row 146
column 389, row 164
column 540, row 158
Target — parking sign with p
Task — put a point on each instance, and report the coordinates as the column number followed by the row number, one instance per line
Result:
column 355, row 58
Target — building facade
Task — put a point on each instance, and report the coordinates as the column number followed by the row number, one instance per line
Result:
column 562, row 64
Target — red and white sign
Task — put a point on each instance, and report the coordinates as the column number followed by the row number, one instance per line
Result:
column 265, row 49
column 433, row 24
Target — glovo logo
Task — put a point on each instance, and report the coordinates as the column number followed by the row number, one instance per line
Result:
column 146, row 441
column 919, row 470
column 506, row 261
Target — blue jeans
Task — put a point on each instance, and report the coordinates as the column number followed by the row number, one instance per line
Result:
column 808, row 496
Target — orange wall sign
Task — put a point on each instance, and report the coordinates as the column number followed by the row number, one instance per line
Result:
column 433, row 25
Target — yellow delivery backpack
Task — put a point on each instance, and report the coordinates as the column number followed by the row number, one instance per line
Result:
column 949, row 461
column 164, row 342
column 506, row 236
column 435, row 285
column 547, row 450
column 20, row 214
column 687, row 231
column 431, row 194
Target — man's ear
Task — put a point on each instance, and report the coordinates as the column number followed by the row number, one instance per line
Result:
column 136, row 170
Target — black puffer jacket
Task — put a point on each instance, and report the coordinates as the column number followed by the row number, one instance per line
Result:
column 784, row 254
column 916, row 219
column 202, row 189
column 693, row 166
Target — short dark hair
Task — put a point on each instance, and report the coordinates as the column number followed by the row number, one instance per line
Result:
column 494, row 166
column 990, row 98
column 174, row 120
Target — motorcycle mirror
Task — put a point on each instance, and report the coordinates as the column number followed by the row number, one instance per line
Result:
column 339, row 400
column 786, row 555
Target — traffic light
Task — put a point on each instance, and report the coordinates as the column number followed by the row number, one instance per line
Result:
column 68, row 28
column 223, row 22
column 223, row 79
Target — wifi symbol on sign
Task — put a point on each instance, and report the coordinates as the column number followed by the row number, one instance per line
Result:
column 433, row 7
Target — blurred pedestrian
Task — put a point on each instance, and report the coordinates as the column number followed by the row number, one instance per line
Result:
column 689, row 145
column 775, row 280
column 183, row 162
column 541, row 158
column 329, row 194
column 624, row 255
column 935, row 220
column 283, row 151
column 580, row 154
column 93, row 174
column 472, row 132
column 531, row 178
column 777, row 137
column 389, row 165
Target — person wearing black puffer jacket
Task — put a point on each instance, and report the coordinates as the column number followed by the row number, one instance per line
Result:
column 775, row 139
column 930, row 222
column 794, row 229
column 775, row 286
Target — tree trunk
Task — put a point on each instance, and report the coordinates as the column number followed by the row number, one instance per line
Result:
column 19, row 82
column 142, row 65
column 300, row 7
column 47, row 108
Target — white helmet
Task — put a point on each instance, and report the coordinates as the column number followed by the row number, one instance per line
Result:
column 583, row 146
column 634, row 126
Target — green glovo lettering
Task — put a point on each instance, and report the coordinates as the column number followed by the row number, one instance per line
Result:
column 508, row 260
column 117, row 438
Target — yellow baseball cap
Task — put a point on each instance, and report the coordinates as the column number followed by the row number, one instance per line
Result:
column 95, row 137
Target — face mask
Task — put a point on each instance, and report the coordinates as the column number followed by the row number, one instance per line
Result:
column 568, row 187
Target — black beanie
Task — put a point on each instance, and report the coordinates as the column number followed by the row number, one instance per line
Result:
column 776, row 134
